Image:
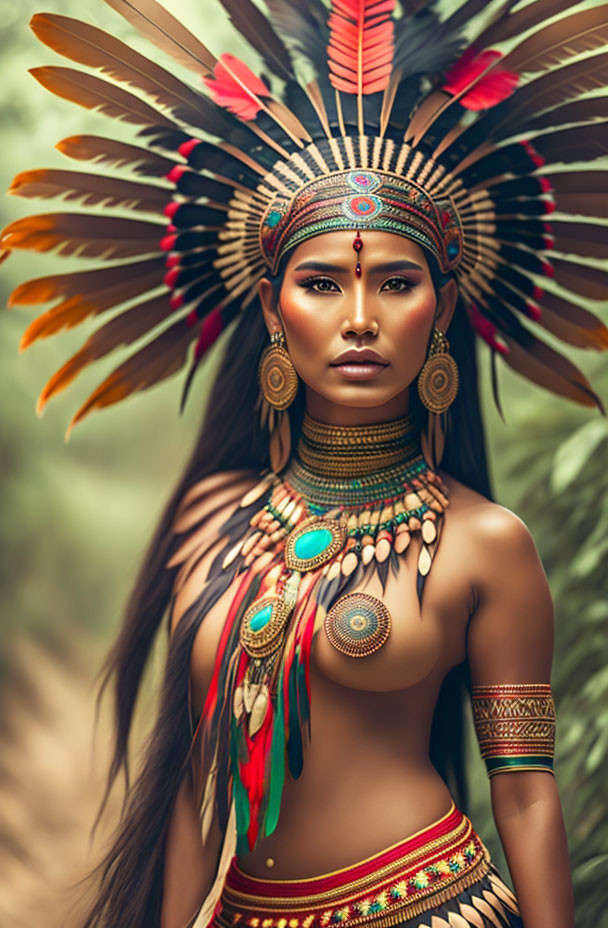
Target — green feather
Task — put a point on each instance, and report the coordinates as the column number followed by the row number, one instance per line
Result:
column 241, row 799
column 277, row 764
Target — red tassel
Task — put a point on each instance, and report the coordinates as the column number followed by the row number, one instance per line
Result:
column 485, row 329
column 236, row 87
column 477, row 82
column 210, row 330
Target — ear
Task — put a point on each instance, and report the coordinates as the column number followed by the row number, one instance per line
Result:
column 446, row 304
column 270, row 306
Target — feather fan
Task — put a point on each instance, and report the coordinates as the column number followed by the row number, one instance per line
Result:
column 157, row 25
column 550, row 46
column 86, row 236
column 96, row 94
column 116, row 154
column 91, row 190
column 162, row 357
column 91, row 46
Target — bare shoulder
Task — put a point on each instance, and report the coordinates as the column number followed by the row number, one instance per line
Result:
column 198, row 533
column 490, row 522
column 510, row 635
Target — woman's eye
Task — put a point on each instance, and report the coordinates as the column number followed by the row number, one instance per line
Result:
column 320, row 285
column 399, row 284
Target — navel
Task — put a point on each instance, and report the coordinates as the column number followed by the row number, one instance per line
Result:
column 358, row 624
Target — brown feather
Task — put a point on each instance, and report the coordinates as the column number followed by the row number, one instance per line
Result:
column 576, row 111
column 124, row 329
column 517, row 23
column 560, row 85
column 551, row 45
column 539, row 363
column 116, row 154
column 580, row 238
column 73, row 310
column 96, row 94
column 160, row 358
column 590, row 282
column 83, row 235
column 79, row 283
column 157, row 25
column 97, row 49
column 90, row 190
column 258, row 31
column 572, row 323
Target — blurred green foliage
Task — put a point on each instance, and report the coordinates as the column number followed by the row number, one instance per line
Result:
column 76, row 518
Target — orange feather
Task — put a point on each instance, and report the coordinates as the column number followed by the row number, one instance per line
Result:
column 361, row 45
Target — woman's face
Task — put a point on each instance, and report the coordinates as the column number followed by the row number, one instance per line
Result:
column 325, row 310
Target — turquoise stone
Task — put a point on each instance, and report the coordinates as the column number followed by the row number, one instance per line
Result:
column 260, row 619
column 310, row 544
column 273, row 218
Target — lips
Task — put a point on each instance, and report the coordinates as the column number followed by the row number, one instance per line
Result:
column 360, row 356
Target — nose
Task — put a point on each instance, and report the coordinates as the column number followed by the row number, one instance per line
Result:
column 360, row 316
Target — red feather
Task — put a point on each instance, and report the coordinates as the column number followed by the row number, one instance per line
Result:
column 236, row 87
column 361, row 45
column 477, row 81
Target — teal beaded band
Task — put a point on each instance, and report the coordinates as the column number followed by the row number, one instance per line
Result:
column 519, row 762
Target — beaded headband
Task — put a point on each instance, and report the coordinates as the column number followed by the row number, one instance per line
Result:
column 408, row 121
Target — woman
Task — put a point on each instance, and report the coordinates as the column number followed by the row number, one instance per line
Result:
column 312, row 700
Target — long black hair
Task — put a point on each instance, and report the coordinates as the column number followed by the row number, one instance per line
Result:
column 131, row 874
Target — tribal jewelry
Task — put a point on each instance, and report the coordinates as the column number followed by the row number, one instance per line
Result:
column 358, row 624
column 409, row 122
column 515, row 726
column 358, row 245
column 381, row 490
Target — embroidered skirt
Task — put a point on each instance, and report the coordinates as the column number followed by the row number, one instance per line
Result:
column 441, row 877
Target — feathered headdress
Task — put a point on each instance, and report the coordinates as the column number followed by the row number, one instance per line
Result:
column 400, row 123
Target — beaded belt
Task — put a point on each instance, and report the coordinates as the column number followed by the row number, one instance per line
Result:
column 400, row 882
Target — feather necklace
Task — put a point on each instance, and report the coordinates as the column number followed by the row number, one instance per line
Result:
column 348, row 502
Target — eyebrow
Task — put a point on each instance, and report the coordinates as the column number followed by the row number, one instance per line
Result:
column 391, row 267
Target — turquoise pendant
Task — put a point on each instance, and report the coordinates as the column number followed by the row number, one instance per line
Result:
column 314, row 542
column 263, row 625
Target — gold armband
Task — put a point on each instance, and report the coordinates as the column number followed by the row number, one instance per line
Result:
column 515, row 726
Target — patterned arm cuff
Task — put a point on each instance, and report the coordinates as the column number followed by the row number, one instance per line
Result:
column 515, row 726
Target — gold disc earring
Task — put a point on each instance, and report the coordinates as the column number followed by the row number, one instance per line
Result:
column 438, row 378
column 277, row 375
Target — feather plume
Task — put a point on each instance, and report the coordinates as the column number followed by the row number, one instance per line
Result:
column 86, row 236
column 572, row 323
column 584, row 31
column 92, row 47
column 80, row 283
column 477, row 82
column 361, row 45
column 96, row 94
column 236, row 87
column 585, row 110
column 559, row 86
column 258, row 31
column 164, row 356
column 90, row 190
column 505, row 27
column 115, row 154
column 422, row 47
column 161, row 28
column 303, row 27
column 124, row 329
column 542, row 365
column 74, row 309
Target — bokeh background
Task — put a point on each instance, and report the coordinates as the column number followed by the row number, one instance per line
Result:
column 76, row 519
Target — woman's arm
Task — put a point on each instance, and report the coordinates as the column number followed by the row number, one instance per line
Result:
column 511, row 642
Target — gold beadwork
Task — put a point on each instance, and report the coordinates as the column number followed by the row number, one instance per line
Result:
column 358, row 624
column 342, row 451
column 515, row 726
column 265, row 640
column 277, row 375
column 438, row 379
